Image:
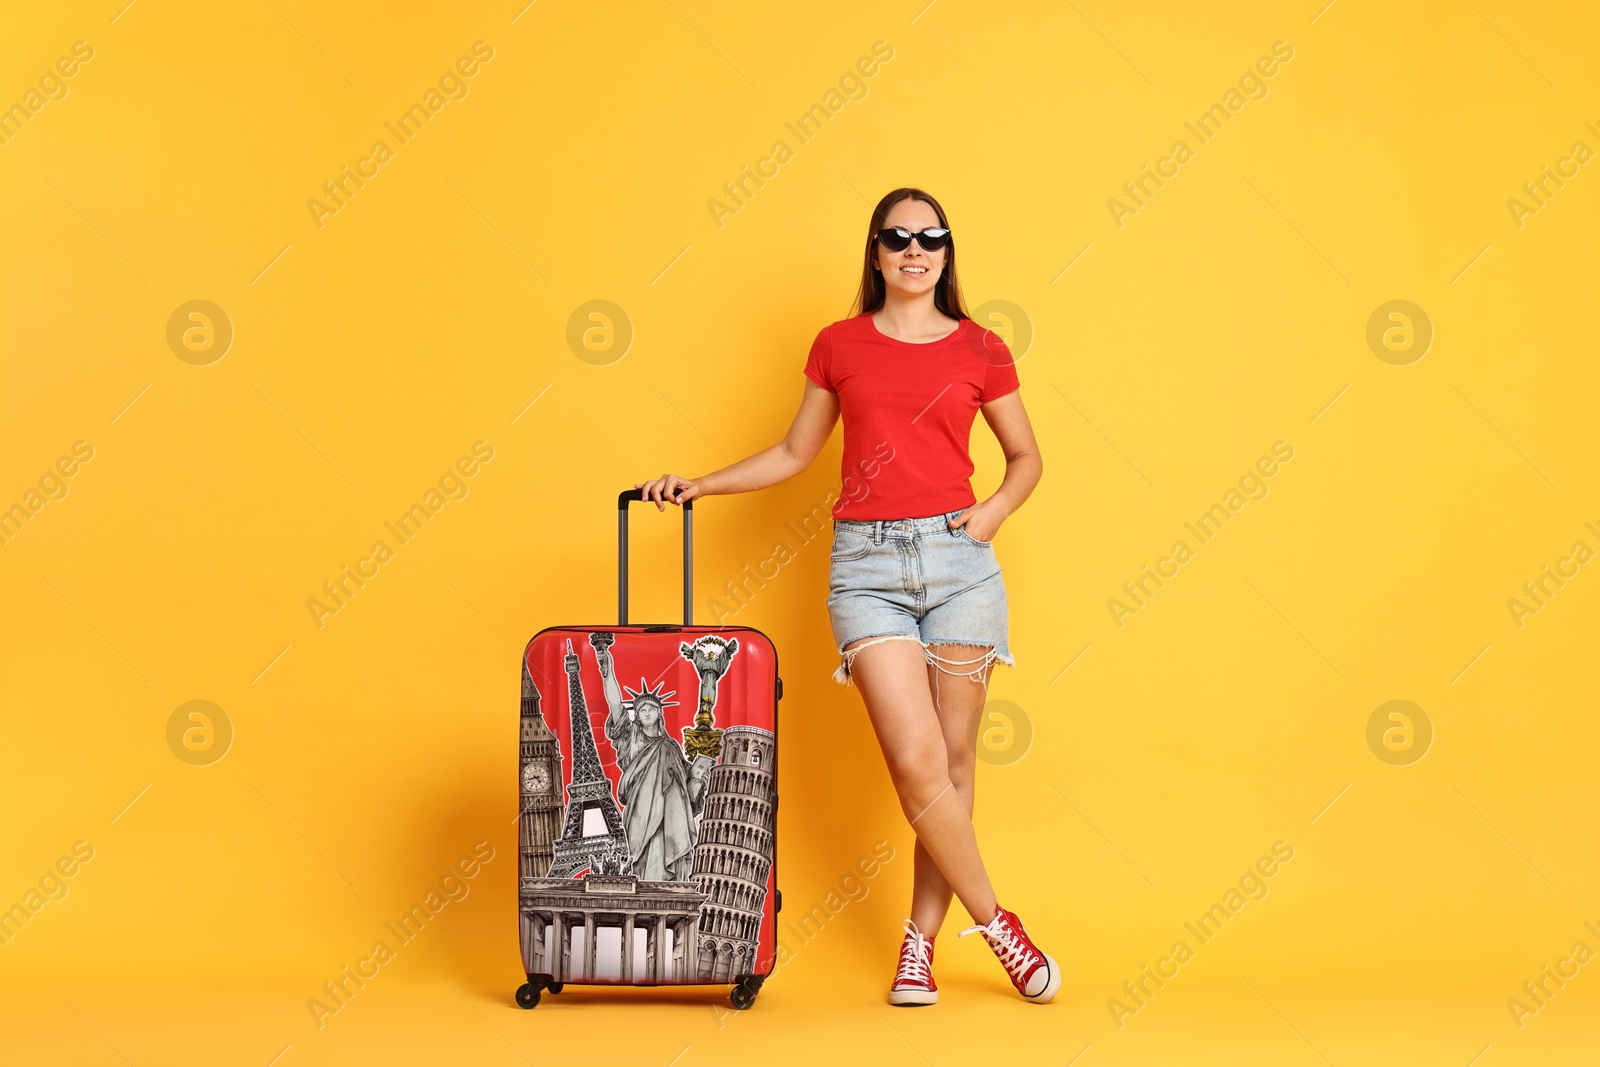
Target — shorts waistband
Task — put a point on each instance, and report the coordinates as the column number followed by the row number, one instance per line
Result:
column 878, row 529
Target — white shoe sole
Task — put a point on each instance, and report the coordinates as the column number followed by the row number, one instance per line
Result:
column 912, row 998
column 1048, row 993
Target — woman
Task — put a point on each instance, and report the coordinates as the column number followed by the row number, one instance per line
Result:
column 916, row 599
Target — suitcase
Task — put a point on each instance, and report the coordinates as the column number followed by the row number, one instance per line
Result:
column 648, row 818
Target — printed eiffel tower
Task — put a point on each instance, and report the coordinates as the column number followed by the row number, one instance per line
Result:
column 593, row 826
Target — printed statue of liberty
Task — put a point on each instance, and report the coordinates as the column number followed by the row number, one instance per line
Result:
column 661, row 792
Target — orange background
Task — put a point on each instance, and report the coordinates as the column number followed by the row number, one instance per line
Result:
column 1134, row 774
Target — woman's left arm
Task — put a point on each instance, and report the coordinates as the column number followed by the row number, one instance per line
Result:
column 1009, row 420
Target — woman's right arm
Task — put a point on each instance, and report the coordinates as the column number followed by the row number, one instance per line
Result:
column 819, row 410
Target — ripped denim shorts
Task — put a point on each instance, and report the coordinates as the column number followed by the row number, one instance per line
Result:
column 917, row 579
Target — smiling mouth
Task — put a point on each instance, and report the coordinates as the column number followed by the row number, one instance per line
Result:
column 918, row 271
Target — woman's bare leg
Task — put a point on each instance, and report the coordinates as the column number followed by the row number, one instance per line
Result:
column 893, row 679
column 959, row 700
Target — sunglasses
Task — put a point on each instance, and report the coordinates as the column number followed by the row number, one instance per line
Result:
column 930, row 240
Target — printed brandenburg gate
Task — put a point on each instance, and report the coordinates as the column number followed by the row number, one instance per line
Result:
column 553, row 908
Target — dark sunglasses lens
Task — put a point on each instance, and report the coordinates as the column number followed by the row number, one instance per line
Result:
column 894, row 240
column 933, row 239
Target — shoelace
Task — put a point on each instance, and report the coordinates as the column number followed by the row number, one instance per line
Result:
column 914, row 957
column 1012, row 950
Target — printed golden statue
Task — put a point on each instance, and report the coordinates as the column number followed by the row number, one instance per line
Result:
column 710, row 655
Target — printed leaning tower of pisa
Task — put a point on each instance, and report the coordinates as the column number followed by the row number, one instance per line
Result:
column 734, row 852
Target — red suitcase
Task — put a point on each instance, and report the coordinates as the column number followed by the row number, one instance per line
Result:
column 647, row 836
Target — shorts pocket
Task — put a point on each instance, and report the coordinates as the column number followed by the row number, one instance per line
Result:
column 962, row 530
column 849, row 545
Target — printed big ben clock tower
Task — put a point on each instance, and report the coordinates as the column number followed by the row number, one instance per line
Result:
column 541, row 789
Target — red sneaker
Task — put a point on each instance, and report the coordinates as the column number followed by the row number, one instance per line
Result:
column 913, row 980
column 1035, row 975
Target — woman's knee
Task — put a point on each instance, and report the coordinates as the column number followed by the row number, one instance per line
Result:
column 962, row 769
column 922, row 776
column 918, row 797
column 919, row 771
column 918, row 761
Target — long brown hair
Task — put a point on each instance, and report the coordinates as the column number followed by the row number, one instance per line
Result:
column 946, row 291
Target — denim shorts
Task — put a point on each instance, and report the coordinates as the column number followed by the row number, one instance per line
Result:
column 917, row 579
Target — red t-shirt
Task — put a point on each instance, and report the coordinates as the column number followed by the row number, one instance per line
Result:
column 908, row 411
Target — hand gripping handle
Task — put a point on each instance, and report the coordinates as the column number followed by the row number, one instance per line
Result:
column 623, row 500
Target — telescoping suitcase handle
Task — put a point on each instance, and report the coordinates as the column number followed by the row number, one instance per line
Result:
column 623, row 500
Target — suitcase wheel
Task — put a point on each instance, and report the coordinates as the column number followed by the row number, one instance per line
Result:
column 556, row 987
column 744, row 993
column 528, row 996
